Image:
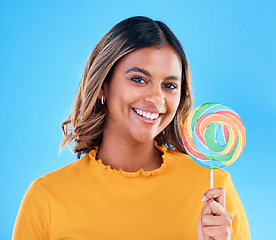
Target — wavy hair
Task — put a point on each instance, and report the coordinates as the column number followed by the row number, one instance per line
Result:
column 85, row 124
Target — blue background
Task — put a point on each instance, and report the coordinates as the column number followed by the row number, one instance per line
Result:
column 44, row 48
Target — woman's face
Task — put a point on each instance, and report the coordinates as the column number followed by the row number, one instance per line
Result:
column 143, row 94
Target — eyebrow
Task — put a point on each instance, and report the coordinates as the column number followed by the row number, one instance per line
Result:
column 137, row 69
column 141, row 70
column 173, row 78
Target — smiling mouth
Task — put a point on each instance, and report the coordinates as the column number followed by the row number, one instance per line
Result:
column 146, row 115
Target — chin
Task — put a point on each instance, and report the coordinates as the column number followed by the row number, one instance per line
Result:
column 144, row 138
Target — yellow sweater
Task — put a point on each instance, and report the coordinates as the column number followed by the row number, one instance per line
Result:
column 88, row 200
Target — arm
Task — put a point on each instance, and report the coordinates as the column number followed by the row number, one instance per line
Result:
column 223, row 216
column 240, row 227
column 33, row 218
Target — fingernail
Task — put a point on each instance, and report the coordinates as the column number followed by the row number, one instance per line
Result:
column 203, row 199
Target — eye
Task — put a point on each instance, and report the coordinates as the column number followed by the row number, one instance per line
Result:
column 138, row 80
column 170, row 86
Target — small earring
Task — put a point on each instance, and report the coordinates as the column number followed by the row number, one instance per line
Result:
column 102, row 100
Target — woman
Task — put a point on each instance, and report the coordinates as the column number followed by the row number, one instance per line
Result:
column 135, row 180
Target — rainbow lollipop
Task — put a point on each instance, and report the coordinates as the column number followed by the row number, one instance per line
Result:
column 214, row 136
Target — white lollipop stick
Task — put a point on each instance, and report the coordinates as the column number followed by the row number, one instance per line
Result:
column 211, row 178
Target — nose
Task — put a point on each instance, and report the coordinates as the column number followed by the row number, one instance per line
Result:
column 155, row 96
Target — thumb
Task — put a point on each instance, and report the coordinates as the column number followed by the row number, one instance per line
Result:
column 199, row 229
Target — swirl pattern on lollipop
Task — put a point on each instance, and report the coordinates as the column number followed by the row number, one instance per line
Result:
column 213, row 135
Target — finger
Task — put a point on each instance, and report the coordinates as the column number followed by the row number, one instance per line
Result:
column 218, row 194
column 199, row 229
column 213, row 208
column 219, row 232
column 212, row 221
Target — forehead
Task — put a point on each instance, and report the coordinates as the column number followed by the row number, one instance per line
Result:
column 162, row 60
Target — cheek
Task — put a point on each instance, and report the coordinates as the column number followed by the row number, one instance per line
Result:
column 121, row 97
column 173, row 102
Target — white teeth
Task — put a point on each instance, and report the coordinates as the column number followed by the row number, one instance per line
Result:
column 147, row 115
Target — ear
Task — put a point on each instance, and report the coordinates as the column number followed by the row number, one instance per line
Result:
column 102, row 91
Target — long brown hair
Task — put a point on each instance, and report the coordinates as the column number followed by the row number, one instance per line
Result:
column 84, row 126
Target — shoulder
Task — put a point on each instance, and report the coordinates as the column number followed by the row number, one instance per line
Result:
column 67, row 173
column 187, row 164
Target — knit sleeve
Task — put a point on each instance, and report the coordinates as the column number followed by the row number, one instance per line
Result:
column 240, row 227
column 33, row 218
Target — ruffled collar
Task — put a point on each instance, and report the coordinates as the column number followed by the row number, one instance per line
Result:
column 141, row 172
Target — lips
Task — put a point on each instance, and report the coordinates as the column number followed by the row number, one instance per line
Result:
column 151, row 117
column 146, row 115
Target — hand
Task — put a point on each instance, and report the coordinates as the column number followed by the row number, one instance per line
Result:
column 214, row 222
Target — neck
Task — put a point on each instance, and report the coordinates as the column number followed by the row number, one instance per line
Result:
column 130, row 156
